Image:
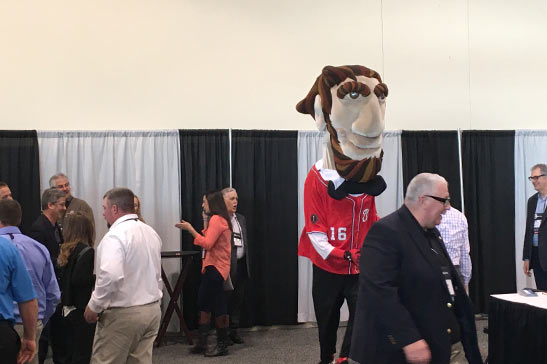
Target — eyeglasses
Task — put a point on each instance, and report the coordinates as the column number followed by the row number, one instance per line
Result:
column 444, row 201
column 535, row 178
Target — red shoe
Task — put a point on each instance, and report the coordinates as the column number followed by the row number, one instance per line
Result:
column 342, row 361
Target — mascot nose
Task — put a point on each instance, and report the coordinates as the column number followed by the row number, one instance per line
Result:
column 370, row 122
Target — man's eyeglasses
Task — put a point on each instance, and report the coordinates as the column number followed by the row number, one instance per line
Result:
column 444, row 201
column 535, row 178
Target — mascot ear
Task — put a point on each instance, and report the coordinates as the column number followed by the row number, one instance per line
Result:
column 319, row 117
column 314, row 109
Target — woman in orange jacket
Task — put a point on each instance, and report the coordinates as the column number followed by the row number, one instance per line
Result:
column 216, row 243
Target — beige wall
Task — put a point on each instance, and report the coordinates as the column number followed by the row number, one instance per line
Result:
column 169, row 64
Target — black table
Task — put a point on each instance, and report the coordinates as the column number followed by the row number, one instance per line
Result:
column 517, row 332
column 186, row 258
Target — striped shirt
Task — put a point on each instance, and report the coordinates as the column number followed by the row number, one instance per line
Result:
column 453, row 229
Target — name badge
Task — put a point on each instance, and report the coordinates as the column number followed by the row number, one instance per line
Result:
column 238, row 241
column 448, row 281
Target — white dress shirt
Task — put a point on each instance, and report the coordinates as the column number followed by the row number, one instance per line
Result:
column 128, row 266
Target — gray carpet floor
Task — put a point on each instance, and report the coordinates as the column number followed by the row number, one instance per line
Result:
column 279, row 344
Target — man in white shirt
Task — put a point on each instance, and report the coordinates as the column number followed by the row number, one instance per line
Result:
column 128, row 287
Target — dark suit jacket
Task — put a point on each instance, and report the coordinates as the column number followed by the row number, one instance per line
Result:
column 403, row 297
column 43, row 232
column 233, row 261
column 542, row 237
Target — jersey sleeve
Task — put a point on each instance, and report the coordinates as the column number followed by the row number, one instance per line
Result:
column 315, row 213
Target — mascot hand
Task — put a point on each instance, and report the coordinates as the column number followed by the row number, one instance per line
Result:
column 352, row 255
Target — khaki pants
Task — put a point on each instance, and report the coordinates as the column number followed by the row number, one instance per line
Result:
column 126, row 335
column 39, row 327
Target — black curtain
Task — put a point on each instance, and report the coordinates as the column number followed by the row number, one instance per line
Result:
column 433, row 152
column 265, row 176
column 204, row 156
column 489, row 190
column 19, row 168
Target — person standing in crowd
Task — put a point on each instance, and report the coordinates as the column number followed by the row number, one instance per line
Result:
column 137, row 204
column 534, row 252
column 60, row 181
column 38, row 262
column 216, row 242
column 454, row 232
column 46, row 230
column 128, row 285
column 240, row 263
column 5, row 192
column 16, row 286
column 77, row 280
column 411, row 305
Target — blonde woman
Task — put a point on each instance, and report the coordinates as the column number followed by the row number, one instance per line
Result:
column 76, row 261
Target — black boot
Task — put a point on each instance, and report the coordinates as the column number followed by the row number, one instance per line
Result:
column 221, row 324
column 234, row 337
column 222, row 344
column 204, row 323
column 201, row 345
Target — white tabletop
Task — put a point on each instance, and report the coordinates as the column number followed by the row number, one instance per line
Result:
column 539, row 301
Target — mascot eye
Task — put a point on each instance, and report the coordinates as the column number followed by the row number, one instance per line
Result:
column 353, row 89
column 381, row 92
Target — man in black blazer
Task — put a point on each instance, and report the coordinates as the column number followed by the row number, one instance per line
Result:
column 411, row 305
column 240, row 263
column 534, row 252
column 45, row 229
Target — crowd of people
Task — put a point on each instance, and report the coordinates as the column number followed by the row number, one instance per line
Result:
column 103, row 305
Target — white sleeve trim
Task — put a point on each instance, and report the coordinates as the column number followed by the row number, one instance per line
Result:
column 320, row 242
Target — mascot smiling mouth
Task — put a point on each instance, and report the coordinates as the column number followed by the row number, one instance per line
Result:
column 349, row 102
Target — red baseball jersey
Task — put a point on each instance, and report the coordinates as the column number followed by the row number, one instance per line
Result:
column 345, row 222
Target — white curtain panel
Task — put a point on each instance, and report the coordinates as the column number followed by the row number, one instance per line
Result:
column 310, row 150
column 530, row 149
column 147, row 162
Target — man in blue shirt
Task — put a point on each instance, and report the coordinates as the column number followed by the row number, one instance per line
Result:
column 15, row 285
column 38, row 262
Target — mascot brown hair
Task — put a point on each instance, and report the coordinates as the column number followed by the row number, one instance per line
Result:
column 339, row 206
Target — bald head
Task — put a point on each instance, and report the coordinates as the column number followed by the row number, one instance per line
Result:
column 427, row 198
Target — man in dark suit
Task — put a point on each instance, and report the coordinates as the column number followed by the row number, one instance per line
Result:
column 240, row 266
column 534, row 252
column 46, row 230
column 411, row 305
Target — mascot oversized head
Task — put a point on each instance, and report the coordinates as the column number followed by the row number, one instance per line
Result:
column 349, row 102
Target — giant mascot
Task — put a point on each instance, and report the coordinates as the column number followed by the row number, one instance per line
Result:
column 339, row 208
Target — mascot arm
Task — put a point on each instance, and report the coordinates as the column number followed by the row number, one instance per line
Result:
column 316, row 217
column 322, row 246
